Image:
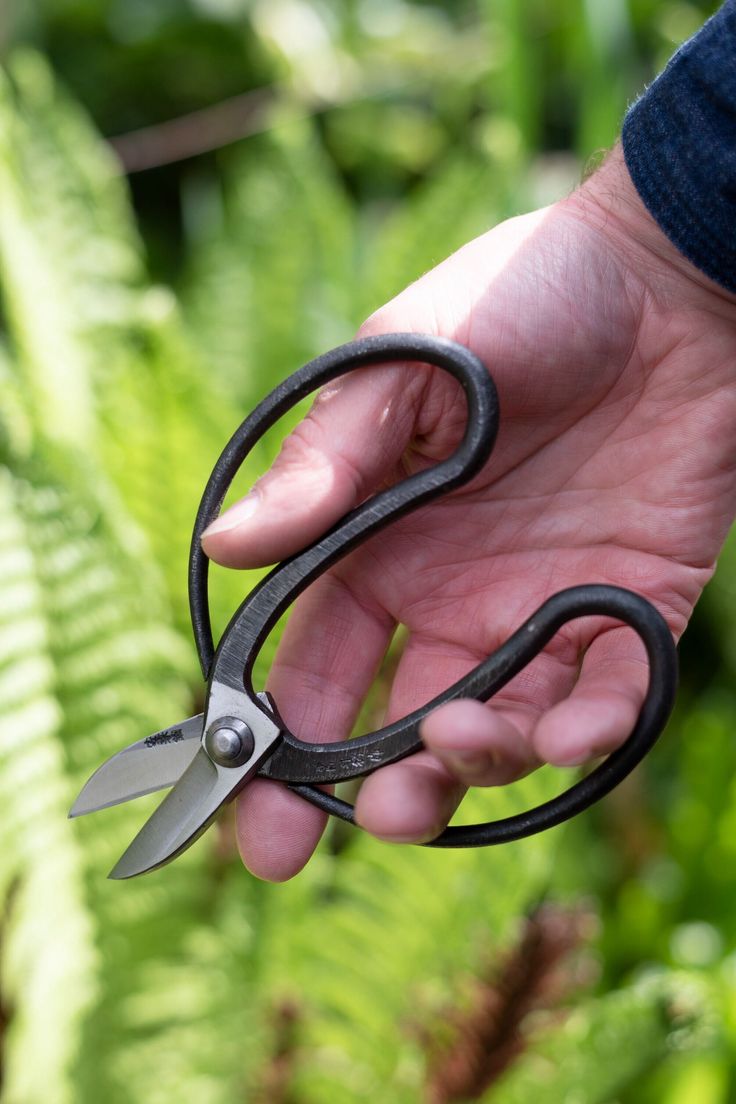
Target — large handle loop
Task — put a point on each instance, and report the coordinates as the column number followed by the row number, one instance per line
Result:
column 493, row 673
column 251, row 623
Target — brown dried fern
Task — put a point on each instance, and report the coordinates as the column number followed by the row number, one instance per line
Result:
column 480, row 1042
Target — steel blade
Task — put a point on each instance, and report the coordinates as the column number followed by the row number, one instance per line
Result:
column 204, row 787
column 150, row 764
column 181, row 817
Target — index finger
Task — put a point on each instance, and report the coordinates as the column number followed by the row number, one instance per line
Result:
column 349, row 442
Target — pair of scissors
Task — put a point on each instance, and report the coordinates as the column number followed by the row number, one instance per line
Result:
column 209, row 758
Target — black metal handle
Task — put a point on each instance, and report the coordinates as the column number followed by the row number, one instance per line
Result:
column 487, row 679
column 298, row 762
column 251, row 623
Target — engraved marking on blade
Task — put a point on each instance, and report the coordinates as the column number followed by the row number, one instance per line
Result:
column 171, row 736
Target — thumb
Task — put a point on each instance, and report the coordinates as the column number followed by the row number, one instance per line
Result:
column 350, row 442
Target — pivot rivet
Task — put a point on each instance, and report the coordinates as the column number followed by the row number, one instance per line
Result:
column 229, row 742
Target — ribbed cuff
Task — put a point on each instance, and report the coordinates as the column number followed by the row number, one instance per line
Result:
column 679, row 142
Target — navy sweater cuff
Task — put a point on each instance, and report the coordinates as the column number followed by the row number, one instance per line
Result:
column 679, row 142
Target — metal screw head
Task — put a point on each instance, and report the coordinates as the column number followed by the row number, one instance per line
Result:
column 229, row 742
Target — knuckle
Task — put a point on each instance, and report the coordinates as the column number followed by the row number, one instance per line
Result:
column 310, row 461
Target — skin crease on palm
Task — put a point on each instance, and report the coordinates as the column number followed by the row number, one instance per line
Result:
column 615, row 362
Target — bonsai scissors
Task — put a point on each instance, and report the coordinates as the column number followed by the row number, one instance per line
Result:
column 209, row 758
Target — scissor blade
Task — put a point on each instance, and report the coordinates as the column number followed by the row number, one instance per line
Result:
column 147, row 765
column 181, row 817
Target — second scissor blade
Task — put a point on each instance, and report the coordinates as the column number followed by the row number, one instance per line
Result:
column 150, row 764
column 181, row 817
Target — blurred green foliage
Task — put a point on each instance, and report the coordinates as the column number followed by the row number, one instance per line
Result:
column 139, row 320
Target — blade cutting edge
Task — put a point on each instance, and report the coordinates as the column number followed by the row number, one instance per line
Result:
column 204, row 787
column 150, row 764
column 181, row 817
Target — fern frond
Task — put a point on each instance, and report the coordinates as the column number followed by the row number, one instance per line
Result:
column 459, row 201
column 606, row 1044
column 385, row 943
column 48, row 956
column 69, row 256
column 273, row 287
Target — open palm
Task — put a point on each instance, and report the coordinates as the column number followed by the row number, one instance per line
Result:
column 616, row 372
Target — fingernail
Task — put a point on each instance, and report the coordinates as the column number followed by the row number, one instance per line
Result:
column 412, row 837
column 470, row 762
column 242, row 511
column 576, row 759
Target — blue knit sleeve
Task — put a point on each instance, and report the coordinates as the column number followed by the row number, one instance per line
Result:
column 679, row 142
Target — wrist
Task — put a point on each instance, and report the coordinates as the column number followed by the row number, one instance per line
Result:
column 609, row 203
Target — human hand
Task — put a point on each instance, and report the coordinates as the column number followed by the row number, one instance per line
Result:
column 615, row 363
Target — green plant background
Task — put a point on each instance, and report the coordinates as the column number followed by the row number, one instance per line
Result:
column 140, row 318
